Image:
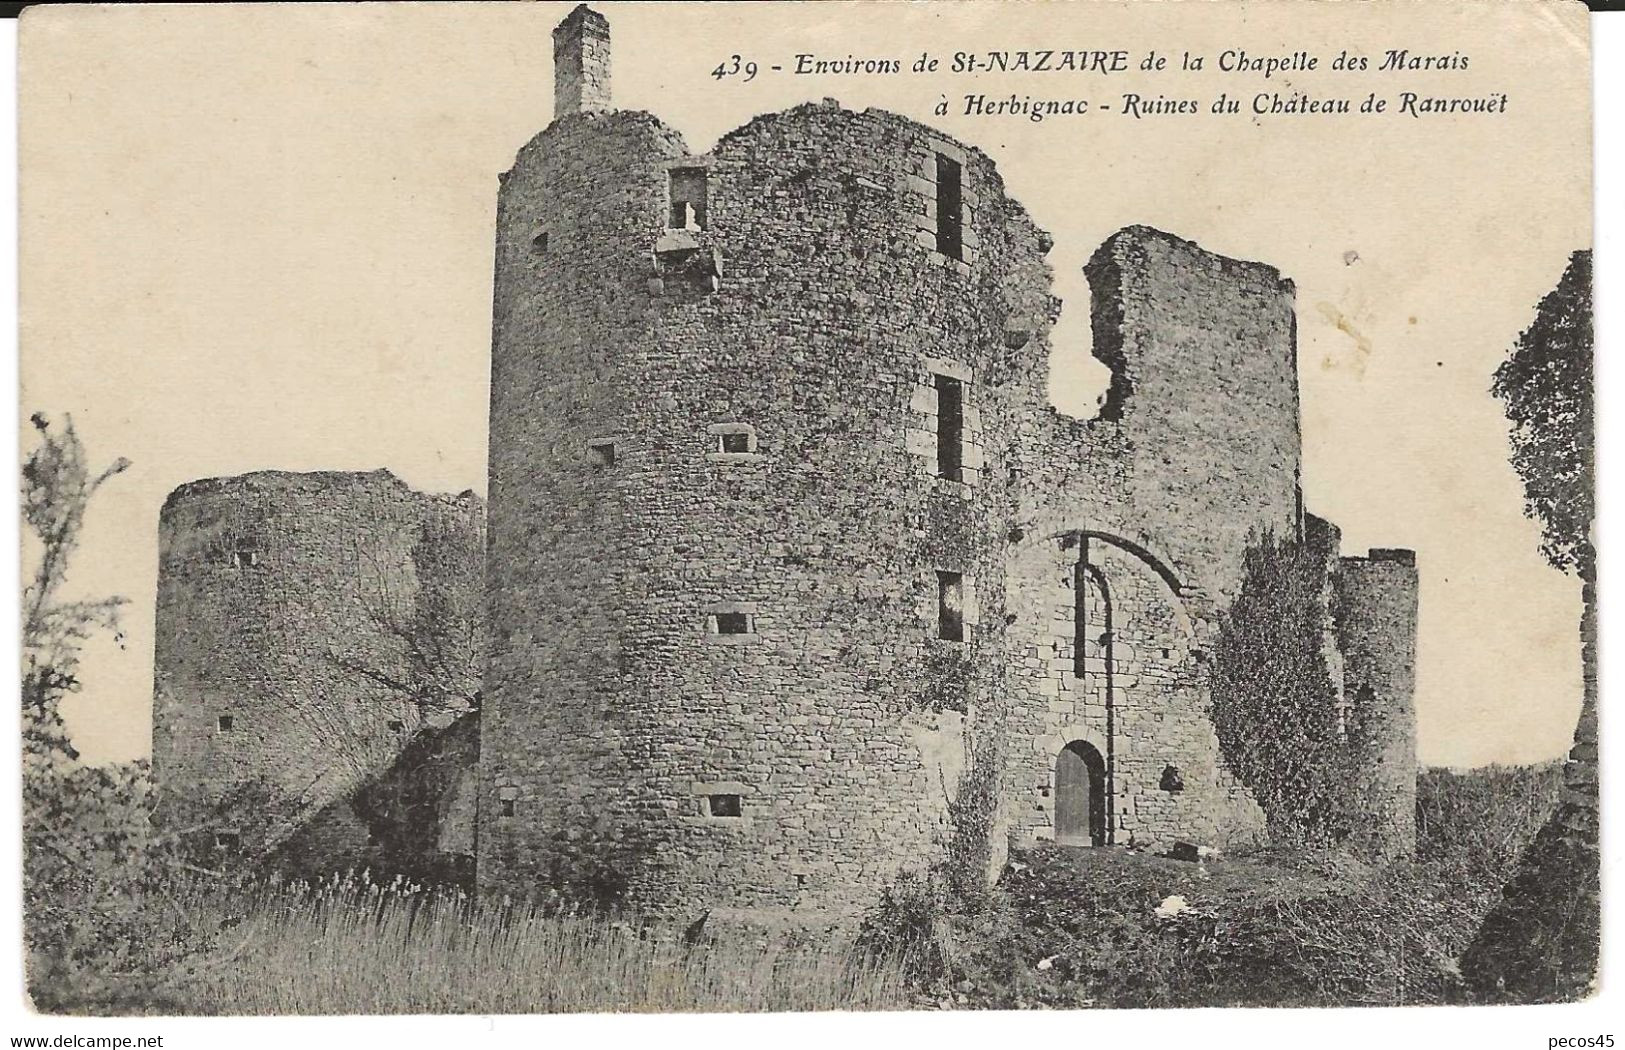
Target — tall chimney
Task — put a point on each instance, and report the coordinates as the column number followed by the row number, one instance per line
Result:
column 581, row 63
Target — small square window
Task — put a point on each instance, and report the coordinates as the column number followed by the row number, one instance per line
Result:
column 227, row 840
column 507, row 807
column 396, row 725
column 538, row 243
column 733, row 623
column 245, row 559
column 732, row 443
column 225, row 723
column 724, row 806
column 601, row 453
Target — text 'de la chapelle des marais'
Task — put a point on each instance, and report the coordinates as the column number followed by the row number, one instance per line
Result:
column 1139, row 84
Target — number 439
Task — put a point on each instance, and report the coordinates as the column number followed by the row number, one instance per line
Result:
column 735, row 66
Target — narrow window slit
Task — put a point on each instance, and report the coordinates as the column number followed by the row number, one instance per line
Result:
column 950, row 428
column 950, row 208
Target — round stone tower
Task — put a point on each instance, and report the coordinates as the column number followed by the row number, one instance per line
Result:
column 1374, row 610
column 284, row 604
column 747, row 516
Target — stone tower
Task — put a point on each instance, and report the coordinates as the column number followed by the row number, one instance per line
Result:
column 721, row 528
column 796, row 578
column 279, row 595
column 1374, row 609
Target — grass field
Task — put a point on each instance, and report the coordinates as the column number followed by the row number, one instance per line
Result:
column 347, row 946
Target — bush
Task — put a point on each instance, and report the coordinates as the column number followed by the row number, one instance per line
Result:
column 1473, row 826
column 106, row 928
column 1305, row 929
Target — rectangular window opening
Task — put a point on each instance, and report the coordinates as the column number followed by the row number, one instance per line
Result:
column 688, row 199
column 538, row 243
column 224, row 723
column 951, row 606
column 736, row 442
column 950, row 428
column 396, row 725
column 950, row 208
column 733, row 623
column 245, row 559
column 227, row 840
column 724, row 806
column 601, row 453
column 507, row 807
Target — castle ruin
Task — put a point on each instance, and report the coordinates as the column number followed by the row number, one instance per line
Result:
column 796, row 580
column 796, row 577
column 287, row 666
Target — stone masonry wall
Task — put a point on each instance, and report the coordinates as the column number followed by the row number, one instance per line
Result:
column 267, row 583
column 1374, row 611
column 1139, row 699
column 1203, row 351
column 726, row 506
column 809, row 317
column 581, row 62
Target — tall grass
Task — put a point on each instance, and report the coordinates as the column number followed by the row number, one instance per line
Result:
column 349, row 946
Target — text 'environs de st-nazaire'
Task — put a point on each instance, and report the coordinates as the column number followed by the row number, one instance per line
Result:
column 1288, row 98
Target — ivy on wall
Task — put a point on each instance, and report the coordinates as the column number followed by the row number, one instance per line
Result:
column 1274, row 704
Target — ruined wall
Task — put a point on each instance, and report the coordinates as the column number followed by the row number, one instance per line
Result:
column 581, row 62
column 276, row 592
column 1374, row 611
column 1203, row 352
column 413, row 818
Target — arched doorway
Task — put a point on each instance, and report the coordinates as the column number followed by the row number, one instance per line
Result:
column 1080, row 796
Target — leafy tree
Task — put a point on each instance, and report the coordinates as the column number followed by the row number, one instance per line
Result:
column 1546, row 386
column 102, row 918
column 1540, row 943
column 56, row 490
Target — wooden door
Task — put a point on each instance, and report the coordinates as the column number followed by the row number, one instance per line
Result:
column 1080, row 796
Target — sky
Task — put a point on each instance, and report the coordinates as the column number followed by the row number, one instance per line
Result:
column 261, row 237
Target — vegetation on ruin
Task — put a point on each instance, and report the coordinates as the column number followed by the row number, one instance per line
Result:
column 1274, row 705
column 1062, row 928
column 1545, row 386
